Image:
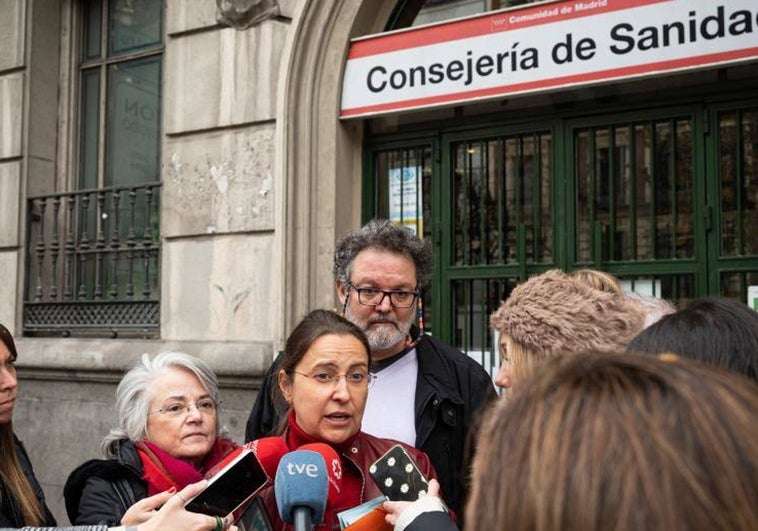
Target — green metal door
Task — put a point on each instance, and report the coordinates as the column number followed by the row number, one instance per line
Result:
column 636, row 200
column 666, row 199
column 500, row 203
column 732, row 204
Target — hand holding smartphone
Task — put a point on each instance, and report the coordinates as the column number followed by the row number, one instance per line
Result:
column 398, row 476
column 231, row 489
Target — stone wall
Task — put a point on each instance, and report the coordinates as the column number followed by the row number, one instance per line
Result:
column 219, row 273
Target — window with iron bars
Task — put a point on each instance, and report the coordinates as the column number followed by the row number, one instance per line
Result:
column 93, row 252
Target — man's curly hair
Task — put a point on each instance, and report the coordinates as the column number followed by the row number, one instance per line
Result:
column 384, row 235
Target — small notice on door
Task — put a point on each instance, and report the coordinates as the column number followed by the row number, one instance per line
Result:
column 752, row 297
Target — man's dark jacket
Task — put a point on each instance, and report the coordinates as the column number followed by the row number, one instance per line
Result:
column 101, row 490
column 450, row 389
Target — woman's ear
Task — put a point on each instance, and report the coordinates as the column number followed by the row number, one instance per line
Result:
column 284, row 386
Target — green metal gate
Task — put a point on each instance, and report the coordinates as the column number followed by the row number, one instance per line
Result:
column 666, row 199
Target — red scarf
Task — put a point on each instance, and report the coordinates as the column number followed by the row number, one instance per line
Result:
column 163, row 471
column 352, row 482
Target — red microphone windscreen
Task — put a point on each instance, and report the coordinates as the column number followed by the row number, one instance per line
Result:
column 268, row 451
column 333, row 468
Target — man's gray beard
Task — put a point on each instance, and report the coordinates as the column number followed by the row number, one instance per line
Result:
column 383, row 337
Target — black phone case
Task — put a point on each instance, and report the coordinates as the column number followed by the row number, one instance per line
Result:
column 231, row 488
column 397, row 476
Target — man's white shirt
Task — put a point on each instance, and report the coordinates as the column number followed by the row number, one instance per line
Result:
column 390, row 408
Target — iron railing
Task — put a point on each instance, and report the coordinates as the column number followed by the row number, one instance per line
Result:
column 93, row 262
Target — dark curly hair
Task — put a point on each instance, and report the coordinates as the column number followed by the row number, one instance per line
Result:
column 384, row 235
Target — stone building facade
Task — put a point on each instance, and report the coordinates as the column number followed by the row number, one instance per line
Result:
column 257, row 177
column 244, row 251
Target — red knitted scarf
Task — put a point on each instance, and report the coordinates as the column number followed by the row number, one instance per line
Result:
column 163, row 471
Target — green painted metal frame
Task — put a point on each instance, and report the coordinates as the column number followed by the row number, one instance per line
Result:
column 707, row 266
column 637, row 267
column 719, row 265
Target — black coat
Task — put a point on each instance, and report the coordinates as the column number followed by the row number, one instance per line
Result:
column 436, row 520
column 101, row 490
column 450, row 389
column 10, row 512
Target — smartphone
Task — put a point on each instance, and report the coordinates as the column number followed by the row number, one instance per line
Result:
column 397, row 476
column 232, row 489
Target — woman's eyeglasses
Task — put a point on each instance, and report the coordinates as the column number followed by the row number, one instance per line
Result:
column 353, row 378
column 205, row 406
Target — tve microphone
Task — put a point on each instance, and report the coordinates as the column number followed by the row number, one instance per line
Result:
column 268, row 451
column 333, row 468
column 301, row 488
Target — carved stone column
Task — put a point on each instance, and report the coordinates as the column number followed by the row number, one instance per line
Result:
column 318, row 156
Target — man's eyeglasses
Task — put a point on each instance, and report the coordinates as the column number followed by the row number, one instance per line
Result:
column 205, row 406
column 353, row 378
column 374, row 296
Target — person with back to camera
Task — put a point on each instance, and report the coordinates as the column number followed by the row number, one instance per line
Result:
column 622, row 442
column 427, row 393
column 324, row 378
column 167, row 437
column 717, row 331
column 553, row 315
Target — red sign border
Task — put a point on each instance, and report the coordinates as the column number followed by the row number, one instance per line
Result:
column 478, row 25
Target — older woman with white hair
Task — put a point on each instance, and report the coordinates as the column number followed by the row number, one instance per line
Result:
column 166, row 438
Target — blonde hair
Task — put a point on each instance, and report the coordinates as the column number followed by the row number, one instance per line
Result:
column 524, row 361
column 599, row 280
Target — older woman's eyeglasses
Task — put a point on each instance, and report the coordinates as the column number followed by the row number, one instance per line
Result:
column 374, row 296
column 353, row 378
column 205, row 406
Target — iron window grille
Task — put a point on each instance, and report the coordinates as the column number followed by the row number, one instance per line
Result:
column 93, row 260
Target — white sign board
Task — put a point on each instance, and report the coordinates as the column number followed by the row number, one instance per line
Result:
column 752, row 297
column 643, row 286
column 543, row 47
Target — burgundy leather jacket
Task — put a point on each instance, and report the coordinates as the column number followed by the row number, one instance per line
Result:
column 356, row 460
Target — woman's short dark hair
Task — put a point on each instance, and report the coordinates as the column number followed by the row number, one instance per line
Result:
column 717, row 331
column 316, row 324
column 621, row 442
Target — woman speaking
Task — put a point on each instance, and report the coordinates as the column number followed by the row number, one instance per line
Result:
column 325, row 379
